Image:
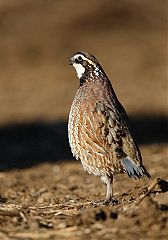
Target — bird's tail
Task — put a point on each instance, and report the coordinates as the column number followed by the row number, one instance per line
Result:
column 134, row 170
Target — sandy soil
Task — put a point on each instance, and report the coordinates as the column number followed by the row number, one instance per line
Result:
column 44, row 192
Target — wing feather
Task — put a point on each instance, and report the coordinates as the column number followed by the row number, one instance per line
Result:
column 108, row 135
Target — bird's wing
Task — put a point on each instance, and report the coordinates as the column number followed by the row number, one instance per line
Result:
column 108, row 137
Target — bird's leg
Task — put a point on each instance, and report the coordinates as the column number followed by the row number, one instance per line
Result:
column 108, row 180
column 109, row 194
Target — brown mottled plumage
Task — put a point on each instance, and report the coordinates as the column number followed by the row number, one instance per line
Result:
column 98, row 128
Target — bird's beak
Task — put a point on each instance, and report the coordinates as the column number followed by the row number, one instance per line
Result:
column 71, row 61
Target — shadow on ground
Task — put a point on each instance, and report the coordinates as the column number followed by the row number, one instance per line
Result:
column 24, row 145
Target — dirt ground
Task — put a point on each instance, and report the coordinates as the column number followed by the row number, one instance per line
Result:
column 54, row 201
column 44, row 192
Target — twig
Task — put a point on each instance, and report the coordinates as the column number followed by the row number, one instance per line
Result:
column 10, row 209
column 60, row 206
column 150, row 188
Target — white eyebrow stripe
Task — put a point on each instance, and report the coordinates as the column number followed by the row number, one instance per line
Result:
column 84, row 58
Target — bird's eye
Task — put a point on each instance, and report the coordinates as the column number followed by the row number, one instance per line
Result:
column 79, row 59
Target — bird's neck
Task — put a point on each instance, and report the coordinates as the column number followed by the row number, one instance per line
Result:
column 92, row 76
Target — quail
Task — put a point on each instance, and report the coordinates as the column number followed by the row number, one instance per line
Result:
column 98, row 126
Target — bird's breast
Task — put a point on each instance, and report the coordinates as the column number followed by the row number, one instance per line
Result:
column 85, row 138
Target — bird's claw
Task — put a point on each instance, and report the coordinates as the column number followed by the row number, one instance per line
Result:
column 106, row 202
column 110, row 201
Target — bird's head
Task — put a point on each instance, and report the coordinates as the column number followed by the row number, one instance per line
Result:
column 86, row 65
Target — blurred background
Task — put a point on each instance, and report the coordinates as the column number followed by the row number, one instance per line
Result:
column 37, row 85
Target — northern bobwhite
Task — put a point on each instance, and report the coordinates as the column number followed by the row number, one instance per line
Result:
column 98, row 128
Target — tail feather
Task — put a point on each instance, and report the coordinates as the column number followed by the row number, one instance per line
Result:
column 134, row 170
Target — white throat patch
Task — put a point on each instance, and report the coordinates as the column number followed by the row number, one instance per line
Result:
column 79, row 69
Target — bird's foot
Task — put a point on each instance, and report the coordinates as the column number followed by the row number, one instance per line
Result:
column 110, row 201
column 106, row 202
